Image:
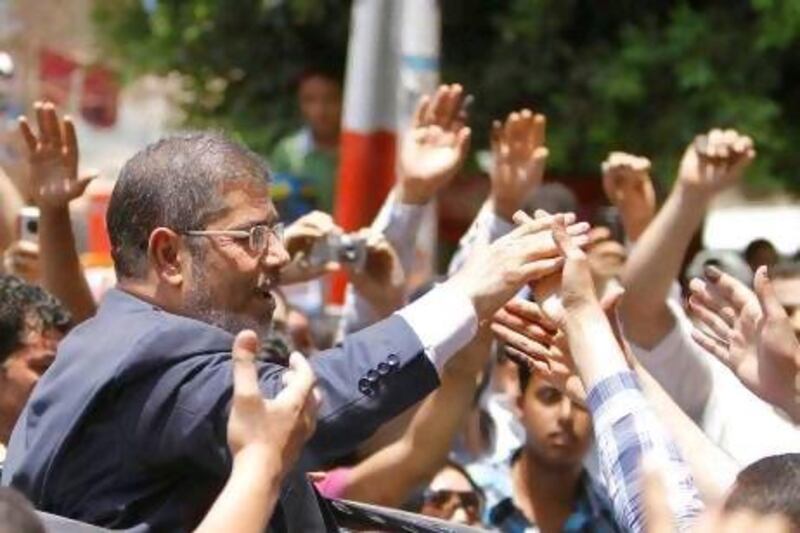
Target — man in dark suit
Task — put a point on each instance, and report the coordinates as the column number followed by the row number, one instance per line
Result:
column 127, row 428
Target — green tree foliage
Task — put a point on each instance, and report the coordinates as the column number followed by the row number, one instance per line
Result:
column 639, row 76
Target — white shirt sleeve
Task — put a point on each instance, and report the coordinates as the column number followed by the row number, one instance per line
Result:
column 400, row 224
column 444, row 320
column 741, row 424
column 678, row 364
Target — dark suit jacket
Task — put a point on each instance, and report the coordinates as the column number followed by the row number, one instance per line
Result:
column 127, row 429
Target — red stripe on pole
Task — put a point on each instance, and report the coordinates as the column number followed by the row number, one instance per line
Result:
column 366, row 175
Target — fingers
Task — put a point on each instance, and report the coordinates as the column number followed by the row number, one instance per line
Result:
column 711, row 320
column 713, row 346
column 765, row 292
column 421, row 112
column 530, row 329
column 27, row 134
column 708, row 296
column 531, row 312
column 529, row 348
column 730, row 288
column 522, row 359
column 565, row 243
column 299, row 380
column 245, row 376
column 70, row 139
column 445, row 106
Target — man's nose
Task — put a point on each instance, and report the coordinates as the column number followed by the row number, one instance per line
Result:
column 565, row 409
column 460, row 516
column 276, row 257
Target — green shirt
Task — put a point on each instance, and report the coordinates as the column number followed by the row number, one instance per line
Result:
column 315, row 169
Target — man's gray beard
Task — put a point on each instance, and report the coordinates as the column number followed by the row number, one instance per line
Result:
column 199, row 306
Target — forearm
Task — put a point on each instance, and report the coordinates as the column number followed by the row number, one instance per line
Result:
column 62, row 274
column 656, row 259
column 595, row 349
column 399, row 222
column 627, row 430
column 714, row 471
column 249, row 497
column 390, row 475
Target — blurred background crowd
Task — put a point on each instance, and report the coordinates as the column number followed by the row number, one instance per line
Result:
column 668, row 126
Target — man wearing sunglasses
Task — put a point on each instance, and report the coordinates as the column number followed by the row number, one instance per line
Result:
column 127, row 429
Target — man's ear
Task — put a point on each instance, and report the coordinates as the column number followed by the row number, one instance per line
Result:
column 163, row 253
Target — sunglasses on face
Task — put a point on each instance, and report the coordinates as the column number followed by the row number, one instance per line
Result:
column 470, row 501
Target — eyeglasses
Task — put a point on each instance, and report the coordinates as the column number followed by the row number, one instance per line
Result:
column 470, row 501
column 258, row 236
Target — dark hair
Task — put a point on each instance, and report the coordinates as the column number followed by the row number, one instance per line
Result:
column 17, row 515
column 24, row 306
column 327, row 72
column 770, row 485
column 755, row 246
column 173, row 183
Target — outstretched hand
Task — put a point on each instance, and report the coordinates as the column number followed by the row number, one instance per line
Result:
column 277, row 429
column 496, row 272
column 434, row 147
column 750, row 333
column 518, row 160
column 53, row 158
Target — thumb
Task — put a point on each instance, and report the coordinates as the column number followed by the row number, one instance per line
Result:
column 301, row 378
column 770, row 304
column 245, row 376
column 84, row 181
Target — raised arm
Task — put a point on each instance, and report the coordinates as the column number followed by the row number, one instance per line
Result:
column 53, row 160
column 625, row 425
column 388, row 476
column 710, row 164
column 432, row 152
column 265, row 438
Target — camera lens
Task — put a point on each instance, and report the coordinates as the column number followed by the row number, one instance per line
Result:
column 32, row 226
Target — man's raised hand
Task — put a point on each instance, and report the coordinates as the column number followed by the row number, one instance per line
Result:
column 270, row 430
column 496, row 272
column 629, row 188
column 750, row 333
column 518, row 160
column 53, row 158
column 434, row 147
column 715, row 161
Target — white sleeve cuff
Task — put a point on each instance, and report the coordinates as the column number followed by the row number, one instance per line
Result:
column 444, row 320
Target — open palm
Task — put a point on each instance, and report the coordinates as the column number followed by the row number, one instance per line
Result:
column 53, row 158
column 750, row 333
column 435, row 145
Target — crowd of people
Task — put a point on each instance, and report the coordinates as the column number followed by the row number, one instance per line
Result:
column 559, row 377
